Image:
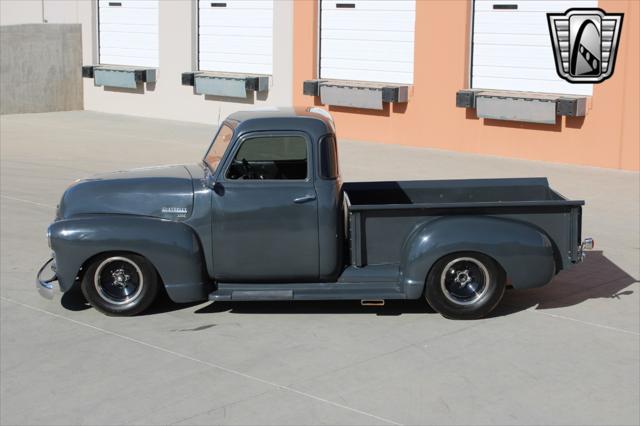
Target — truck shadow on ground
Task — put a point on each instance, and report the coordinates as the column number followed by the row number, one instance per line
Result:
column 391, row 307
column 596, row 278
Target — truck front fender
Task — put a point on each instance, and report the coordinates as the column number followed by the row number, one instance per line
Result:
column 172, row 247
column 525, row 253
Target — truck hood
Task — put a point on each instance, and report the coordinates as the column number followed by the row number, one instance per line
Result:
column 164, row 192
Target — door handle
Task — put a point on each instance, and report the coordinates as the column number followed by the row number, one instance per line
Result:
column 304, row 199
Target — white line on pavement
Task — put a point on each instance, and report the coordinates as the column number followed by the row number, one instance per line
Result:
column 593, row 324
column 27, row 201
column 209, row 364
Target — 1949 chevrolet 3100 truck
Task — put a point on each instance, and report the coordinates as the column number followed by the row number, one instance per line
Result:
column 265, row 216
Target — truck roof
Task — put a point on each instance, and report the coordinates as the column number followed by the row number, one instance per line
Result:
column 310, row 120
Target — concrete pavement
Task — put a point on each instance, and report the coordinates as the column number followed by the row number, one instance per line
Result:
column 568, row 353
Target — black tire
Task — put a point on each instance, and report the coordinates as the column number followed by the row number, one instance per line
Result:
column 121, row 284
column 465, row 285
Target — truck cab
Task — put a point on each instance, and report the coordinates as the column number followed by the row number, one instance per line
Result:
column 275, row 198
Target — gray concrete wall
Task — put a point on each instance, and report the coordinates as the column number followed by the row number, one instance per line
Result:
column 40, row 68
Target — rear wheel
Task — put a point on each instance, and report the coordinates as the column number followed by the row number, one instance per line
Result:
column 465, row 285
column 120, row 284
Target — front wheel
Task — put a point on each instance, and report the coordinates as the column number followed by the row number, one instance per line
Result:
column 465, row 285
column 120, row 284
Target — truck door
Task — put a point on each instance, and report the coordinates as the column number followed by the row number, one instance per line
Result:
column 265, row 211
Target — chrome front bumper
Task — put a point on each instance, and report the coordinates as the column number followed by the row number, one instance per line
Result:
column 45, row 287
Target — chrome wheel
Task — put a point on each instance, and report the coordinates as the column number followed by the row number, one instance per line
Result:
column 464, row 281
column 118, row 280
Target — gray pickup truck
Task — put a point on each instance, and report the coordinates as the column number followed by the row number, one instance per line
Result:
column 265, row 216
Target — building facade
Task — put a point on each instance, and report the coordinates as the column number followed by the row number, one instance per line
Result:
column 465, row 75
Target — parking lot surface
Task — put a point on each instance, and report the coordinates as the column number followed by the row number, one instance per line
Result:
column 568, row 353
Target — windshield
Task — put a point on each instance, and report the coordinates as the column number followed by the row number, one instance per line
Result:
column 218, row 147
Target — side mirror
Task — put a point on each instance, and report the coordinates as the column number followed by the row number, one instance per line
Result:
column 210, row 183
column 218, row 188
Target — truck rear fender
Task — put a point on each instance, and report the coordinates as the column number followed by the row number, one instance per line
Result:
column 172, row 247
column 525, row 254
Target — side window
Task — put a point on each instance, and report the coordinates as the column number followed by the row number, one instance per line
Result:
column 272, row 157
column 328, row 158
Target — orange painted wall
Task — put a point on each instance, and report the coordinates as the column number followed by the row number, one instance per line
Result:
column 609, row 136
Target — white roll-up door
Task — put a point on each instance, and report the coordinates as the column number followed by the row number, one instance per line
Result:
column 512, row 47
column 367, row 40
column 128, row 32
column 235, row 36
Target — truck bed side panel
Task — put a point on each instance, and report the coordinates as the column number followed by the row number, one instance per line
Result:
column 381, row 234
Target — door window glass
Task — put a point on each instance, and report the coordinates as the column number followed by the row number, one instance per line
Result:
column 272, row 157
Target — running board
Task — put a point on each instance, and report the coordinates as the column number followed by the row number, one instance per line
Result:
column 371, row 294
column 261, row 295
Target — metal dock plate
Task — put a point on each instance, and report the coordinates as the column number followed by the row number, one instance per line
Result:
column 225, row 84
column 516, row 109
column 357, row 97
column 218, row 86
column 117, row 76
column 356, row 94
column 521, row 106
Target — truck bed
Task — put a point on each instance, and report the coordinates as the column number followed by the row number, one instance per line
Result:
column 380, row 215
column 458, row 193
